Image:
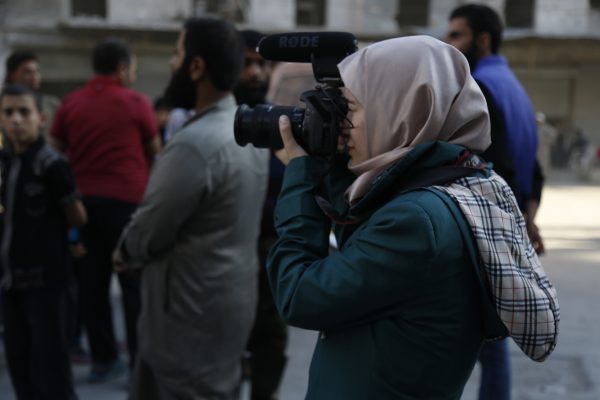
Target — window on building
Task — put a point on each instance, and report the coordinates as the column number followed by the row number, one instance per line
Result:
column 234, row 10
column 310, row 12
column 519, row 13
column 413, row 13
column 89, row 8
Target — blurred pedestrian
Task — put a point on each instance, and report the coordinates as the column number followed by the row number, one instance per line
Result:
column 476, row 30
column 23, row 68
column 40, row 202
column 110, row 136
column 547, row 135
column 161, row 112
column 194, row 235
column 268, row 340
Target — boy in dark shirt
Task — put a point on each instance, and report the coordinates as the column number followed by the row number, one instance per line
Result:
column 39, row 202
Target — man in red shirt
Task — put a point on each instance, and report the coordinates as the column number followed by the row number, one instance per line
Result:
column 110, row 136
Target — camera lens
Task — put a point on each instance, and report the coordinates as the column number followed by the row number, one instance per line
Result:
column 260, row 126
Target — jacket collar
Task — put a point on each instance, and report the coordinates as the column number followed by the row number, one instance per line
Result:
column 492, row 59
column 423, row 156
column 7, row 152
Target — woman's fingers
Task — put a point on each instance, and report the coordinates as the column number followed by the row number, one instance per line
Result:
column 285, row 129
column 292, row 148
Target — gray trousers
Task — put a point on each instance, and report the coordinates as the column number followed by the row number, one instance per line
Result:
column 147, row 385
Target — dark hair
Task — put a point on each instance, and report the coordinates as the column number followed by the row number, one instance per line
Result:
column 13, row 89
column 16, row 59
column 220, row 45
column 161, row 102
column 480, row 19
column 251, row 38
column 109, row 54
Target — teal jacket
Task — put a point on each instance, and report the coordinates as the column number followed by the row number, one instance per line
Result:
column 398, row 306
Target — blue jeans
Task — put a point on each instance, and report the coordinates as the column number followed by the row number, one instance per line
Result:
column 495, row 371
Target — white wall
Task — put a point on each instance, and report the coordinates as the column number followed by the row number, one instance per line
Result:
column 561, row 17
column 439, row 12
column 560, row 92
column 367, row 17
column 39, row 13
column 268, row 15
column 358, row 16
column 153, row 70
column 148, row 10
column 594, row 21
column 548, row 92
column 587, row 102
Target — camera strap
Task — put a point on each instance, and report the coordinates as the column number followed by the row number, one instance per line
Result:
column 199, row 115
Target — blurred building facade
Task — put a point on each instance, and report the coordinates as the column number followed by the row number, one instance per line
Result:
column 553, row 45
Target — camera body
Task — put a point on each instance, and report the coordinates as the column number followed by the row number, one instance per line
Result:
column 316, row 126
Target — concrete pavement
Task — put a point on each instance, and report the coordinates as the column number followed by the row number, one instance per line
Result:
column 569, row 219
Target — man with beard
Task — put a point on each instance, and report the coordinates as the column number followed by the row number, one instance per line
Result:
column 267, row 343
column 110, row 136
column 476, row 30
column 194, row 235
column 254, row 79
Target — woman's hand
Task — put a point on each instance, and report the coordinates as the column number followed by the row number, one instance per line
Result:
column 291, row 148
column 535, row 238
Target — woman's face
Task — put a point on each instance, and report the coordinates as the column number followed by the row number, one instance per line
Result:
column 356, row 137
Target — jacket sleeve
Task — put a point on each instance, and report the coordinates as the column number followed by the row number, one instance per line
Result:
column 179, row 180
column 372, row 274
column 61, row 183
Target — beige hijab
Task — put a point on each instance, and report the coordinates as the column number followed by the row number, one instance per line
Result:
column 414, row 90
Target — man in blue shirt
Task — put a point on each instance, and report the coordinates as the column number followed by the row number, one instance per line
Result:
column 476, row 30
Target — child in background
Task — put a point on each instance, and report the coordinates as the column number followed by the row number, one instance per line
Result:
column 40, row 202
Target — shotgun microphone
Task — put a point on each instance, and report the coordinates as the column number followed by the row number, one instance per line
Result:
column 303, row 47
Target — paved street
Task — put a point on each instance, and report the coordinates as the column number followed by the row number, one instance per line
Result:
column 570, row 223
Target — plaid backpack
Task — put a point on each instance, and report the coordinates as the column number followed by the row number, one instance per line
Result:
column 521, row 296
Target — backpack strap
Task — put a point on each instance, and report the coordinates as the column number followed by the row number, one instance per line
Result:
column 493, row 327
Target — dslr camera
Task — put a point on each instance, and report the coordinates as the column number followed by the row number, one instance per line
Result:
column 316, row 127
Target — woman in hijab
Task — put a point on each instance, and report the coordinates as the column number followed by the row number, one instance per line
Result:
column 398, row 306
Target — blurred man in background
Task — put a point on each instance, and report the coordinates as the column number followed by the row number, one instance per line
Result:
column 266, row 347
column 23, row 68
column 476, row 30
column 110, row 136
column 194, row 235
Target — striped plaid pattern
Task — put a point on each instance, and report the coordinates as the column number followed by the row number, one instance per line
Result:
column 523, row 295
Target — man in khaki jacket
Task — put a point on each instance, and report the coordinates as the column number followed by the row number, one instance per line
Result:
column 195, row 233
